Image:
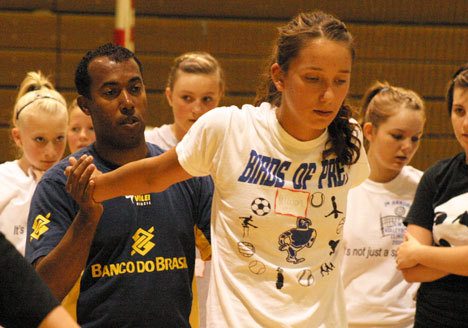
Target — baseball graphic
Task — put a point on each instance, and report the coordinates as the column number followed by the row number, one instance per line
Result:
column 257, row 267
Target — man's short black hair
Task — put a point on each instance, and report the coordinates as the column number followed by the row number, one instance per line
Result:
column 112, row 51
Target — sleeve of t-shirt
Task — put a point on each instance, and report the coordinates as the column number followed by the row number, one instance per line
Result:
column 51, row 214
column 25, row 300
column 200, row 145
column 202, row 228
column 360, row 170
column 421, row 212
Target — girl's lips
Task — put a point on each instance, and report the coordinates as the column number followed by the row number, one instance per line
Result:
column 322, row 112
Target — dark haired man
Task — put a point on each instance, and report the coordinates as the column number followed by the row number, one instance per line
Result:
column 127, row 262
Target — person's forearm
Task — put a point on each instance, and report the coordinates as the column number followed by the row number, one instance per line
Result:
column 131, row 179
column 144, row 176
column 421, row 273
column 450, row 259
column 58, row 318
column 61, row 268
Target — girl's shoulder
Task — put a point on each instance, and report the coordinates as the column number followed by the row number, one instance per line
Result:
column 10, row 169
column 234, row 115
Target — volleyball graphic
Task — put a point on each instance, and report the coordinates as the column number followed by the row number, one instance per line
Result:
column 245, row 248
column 260, row 206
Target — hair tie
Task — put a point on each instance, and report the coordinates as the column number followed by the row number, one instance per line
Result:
column 36, row 98
column 384, row 89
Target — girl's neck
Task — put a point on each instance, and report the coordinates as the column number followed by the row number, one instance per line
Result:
column 177, row 132
column 24, row 165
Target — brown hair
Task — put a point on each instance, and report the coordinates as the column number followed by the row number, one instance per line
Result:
column 197, row 62
column 460, row 80
column 382, row 100
column 291, row 39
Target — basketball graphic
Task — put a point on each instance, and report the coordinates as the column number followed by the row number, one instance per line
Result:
column 305, row 278
column 260, row 206
column 257, row 267
column 246, row 249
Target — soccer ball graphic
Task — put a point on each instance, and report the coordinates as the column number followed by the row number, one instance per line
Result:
column 260, row 206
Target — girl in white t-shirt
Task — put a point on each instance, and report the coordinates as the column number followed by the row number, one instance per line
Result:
column 195, row 85
column 39, row 131
column 80, row 128
column 376, row 293
column 281, row 170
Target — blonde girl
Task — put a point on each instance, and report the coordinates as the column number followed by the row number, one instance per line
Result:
column 39, row 131
column 376, row 293
column 281, row 170
column 195, row 85
column 80, row 128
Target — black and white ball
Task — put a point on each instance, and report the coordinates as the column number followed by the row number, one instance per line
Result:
column 260, row 206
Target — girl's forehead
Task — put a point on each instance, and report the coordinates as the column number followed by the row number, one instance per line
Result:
column 324, row 54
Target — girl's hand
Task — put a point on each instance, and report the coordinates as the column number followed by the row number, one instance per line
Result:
column 406, row 255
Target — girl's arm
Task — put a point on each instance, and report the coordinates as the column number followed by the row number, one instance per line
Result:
column 153, row 174
column 413, row 271
column 450, row 259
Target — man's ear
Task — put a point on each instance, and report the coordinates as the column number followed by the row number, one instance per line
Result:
column 16, row 135
column 368, row 130
column 277, row 76
column 168, row 93
column 83, row 103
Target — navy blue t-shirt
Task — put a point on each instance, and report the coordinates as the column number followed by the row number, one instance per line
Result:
column 441, row 206
column 141, row 262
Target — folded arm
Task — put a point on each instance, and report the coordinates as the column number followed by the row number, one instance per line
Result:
column 412, row 270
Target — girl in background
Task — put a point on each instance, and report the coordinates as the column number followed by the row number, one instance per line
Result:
column 376, row 293
column 436, row 248
column 80, row 128
column 39, row 131
column 195, row 85
column 281, row 172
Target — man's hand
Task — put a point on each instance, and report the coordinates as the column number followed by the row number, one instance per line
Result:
column 80, row 184
column 406, row 255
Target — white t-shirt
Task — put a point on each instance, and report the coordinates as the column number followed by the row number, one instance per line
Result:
column 376, row 293
column 162, row 136
column 16, row 190
column 277, row 218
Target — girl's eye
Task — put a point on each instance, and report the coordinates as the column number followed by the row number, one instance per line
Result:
column 340, row 81
column 397, row 136
column 415, row 139
column 75, row 129
column 207, row 99
column 460, row 111
column 312, row 78
column 187, row 98
column 39, row 139
column 60, row 139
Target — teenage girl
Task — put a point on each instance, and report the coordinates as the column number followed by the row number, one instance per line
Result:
column 281, row 172
column 376, row 293
column 195, row 85
column 80, row 128
column 39, row 132
column 436, row 248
